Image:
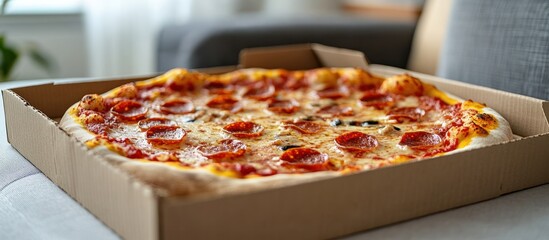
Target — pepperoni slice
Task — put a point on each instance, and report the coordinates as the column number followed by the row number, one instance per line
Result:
column 306, row 127
column 406, row 113
column 432, row 103
column 244, row 129
column 165, row 157
column 283, row 106
column 336, row 110
column 150, row 122
column 242, row 169
column 165, row 135
column 420, row 140
column 356, row 142
column 266, row 172
column 333, row 92
column 225, row 102
column 260, row 91
column 284, row 80
column 293, row 81
column 305, row 158
column 178, row 106
column 227, row 148
column 219, row 87
column 376, row 99
column 129, row 110
column 182, row 80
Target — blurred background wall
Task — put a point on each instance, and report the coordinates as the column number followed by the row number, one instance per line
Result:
column 117, row 37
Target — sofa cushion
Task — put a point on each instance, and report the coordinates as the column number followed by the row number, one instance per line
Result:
column 215, row 43
column 502, row 44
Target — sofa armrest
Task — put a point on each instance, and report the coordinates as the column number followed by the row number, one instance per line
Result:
column 207, row 44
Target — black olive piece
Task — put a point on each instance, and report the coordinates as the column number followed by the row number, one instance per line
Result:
column 369, row 123
column 396, row 128
column 308, row 118
column 284, row 148
column 336, row 122
column 354, row 123
column 190, row 120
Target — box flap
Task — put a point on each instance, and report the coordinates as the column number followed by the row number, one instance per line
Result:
column 103, row 189
column 339, row 57
column 301, row 57
column 47, row 97
column 545, row 106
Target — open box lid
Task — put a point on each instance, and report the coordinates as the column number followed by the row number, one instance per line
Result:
column 301, row 57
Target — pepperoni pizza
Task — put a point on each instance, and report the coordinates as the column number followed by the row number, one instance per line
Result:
column 193, row 134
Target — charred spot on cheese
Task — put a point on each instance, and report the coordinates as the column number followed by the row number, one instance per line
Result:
column 478, row 130
column 485, row 120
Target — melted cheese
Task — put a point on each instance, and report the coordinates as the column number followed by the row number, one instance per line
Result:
column 432, row 91
column 204, row 127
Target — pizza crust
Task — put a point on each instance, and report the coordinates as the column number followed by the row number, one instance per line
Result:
column 500, row 134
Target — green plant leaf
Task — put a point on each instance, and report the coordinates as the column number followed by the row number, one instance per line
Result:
column 42, row 60
column 8, row 59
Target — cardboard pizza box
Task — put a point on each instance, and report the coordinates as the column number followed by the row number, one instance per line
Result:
column 321, row 209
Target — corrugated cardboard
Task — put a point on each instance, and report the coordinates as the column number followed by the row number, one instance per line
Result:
column 321, row 209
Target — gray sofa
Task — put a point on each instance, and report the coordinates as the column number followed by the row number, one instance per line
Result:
column 502, row 44
column 210, row 43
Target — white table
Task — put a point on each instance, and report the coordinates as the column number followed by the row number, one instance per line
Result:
column 32, row 207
